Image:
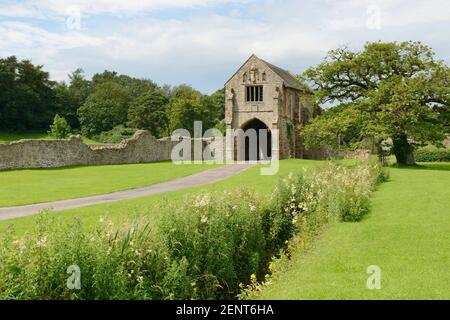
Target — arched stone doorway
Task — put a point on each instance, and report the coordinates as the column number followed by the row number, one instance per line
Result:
column 263, row 148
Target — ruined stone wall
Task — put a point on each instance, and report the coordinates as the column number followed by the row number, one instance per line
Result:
column 142, row 147
column 288, row 124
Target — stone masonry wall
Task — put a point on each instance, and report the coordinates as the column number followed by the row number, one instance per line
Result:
column 140, row 148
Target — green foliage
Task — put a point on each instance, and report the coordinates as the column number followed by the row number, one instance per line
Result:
column 115, row 135
column 407, row 230
column 60, row 129
column 27, row 100
column 185, row 107
column 216, row 108
column 149, row 112
column 113, row 266
column 135, row 87
column 221, row 238
column 69, row 98
column 104, row 109
column 203, row 248
column 337, row 128
column 398, row 89
column 303, row 204
column 432, row 154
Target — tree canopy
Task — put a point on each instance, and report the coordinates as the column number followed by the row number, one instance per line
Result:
column 29, row 101
column 395, row 91
column 104, row 109
column 149, row 112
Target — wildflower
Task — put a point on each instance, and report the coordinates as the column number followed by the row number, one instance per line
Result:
column 202, row 201
column 41, row 242
column 252, row 207
column 204, row 219
column 140, row 279
column 241, row 285
column 20, row 245
column 253, row 277
column 271, row 267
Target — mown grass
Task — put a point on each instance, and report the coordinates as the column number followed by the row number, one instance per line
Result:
column 407, row 234
column 20, row 187
column 250, row 179
column 6, row 137
column 207, row 247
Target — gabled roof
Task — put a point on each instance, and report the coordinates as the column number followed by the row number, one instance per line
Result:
column 288, row 79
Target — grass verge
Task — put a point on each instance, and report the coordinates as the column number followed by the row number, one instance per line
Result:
column 407, row 235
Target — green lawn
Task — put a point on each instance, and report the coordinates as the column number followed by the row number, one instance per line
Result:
column 155, row 205
column 11, row 137
column 407, row 235
column 19, row 187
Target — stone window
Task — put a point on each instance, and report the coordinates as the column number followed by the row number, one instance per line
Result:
column 254, row 94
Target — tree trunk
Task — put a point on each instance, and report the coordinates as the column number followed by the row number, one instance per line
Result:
column 403, row 151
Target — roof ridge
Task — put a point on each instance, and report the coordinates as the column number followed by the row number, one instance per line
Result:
column 288, row 78
column 286, row 75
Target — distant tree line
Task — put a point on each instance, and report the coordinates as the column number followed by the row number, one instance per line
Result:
column 108, row 105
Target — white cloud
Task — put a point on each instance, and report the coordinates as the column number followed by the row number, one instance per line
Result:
column 204, row 47
column 44, row 47
column 49, row 8
column 351, row 14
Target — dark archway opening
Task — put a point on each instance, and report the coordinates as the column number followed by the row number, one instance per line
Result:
column 263, row 147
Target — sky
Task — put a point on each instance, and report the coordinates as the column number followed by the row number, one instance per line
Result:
column 203, row 42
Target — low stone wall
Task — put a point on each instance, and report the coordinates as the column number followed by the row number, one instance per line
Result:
column 142, row 147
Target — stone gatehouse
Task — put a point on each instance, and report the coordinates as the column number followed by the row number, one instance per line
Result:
column 262, row 96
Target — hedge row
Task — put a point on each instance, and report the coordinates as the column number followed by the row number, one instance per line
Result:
column 432, row 154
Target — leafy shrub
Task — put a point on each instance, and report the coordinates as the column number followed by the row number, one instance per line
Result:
column 116, row 135
column 205, row 248
column 105, row 108
column 432, row 154
column 200, row 250
column 222, row 240
column 115, row 263
column 60, row 129
column 305, row 203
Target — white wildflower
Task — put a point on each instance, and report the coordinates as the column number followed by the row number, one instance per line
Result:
column 41, row 242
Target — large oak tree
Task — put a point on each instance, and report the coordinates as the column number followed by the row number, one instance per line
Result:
column 398, row 91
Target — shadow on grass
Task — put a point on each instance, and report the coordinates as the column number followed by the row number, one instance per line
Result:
column 443, row 166
column 67, row 168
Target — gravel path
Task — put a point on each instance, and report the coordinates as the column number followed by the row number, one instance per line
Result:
column 198, row 179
